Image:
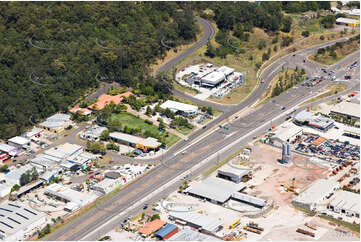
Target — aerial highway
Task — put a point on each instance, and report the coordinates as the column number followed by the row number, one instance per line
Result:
column 203, row 152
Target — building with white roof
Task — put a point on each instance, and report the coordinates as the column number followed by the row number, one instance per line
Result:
column 225, row 70
column 215, row 190
column 346, row 202
column 9, row 149
column 347, row 110
column 348, row 22
column 93, row 133
column 199, row 221
column 315, row 121
column 56, row 123
column 213, row 79
column 35, row 132
column 18, row 222
column 19, row 141
column 13, row 177
column 43, row 163
column 188, row 234
column 69, row 195
column 64, row 151
column 107, row 185
column 313, row 197
column 5, row 189
column 234, row 174
column 181, row 108
column 136, row 142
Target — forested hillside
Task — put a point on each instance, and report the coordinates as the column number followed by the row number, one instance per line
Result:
column 51, row 52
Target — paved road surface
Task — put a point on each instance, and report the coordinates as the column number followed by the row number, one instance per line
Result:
column 89, row 226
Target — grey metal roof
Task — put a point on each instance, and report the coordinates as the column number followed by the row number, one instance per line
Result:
column 215, row 189
column 316, row 191
column 188, row 234
column 346, row 200
column 15, row 217
column 207, row 223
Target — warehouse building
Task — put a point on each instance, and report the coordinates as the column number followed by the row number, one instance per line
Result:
column 319, row 122
column 107, row 185
column 18, row 222
column 63, row 151
column 346, row 202
column 212, row 79
column 188, row 234
column 56, row 123
column 67, row 194
column 43, row 163
column 166, row 232
column 9, row 149
column 93, row 133
column 35, row 132
column 198, row 221
column 348, row 22
column 180, row 108
column 234, row 174
column 215, row 190
column 226, row 71
column 147, row 144
column 19, row 142
column 313, row 197
column 248, row 199
column 347, row 110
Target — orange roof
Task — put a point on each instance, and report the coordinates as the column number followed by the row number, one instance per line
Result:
column 319, row 141
column 74, row 109
column 106, row 99
column 152, row 227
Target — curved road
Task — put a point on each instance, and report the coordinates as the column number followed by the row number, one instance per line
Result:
column 211, row 149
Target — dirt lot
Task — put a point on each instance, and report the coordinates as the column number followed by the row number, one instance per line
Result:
column 274, row 174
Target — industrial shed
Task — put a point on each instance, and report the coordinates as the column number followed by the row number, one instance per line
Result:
column 18, row 141
column 212, row 79
column 255, row 201
column 215, row 190
column 198, row 221
column 347, row 110
column 167, row 231
column 346, row 202
column 234, row 174
column 225, row 70
column 181, row 108
column 18, row 222
column 313, row 196
column 188, row 234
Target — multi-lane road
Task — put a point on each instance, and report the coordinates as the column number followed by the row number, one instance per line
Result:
column 200, row 153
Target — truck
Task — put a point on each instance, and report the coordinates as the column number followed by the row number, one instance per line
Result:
column 302, row 231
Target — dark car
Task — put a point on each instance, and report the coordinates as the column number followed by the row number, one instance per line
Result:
column 283, row 108
column 288, row 118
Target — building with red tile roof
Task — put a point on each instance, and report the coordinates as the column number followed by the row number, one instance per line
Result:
column 106, row 99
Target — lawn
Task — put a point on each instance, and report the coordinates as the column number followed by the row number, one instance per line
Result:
column 133, row 122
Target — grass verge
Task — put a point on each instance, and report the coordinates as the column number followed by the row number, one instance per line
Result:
column 223, row 162
column 332, row 90
column 353, row 227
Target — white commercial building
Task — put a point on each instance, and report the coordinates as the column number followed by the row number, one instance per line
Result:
column 215, row 190
column 313, row 197
column 19, row 141
column 93, row 133
column 9, row 149
column 69, row 195
column 213, row 79
column 178, row 107
column 348, row 22
column 107, row 185
column 56, row 123
column 346, row 202
column 234, row 174
column 18, row 222
column 199, row 221
column 35, row 132
column 225, row 70
column 64, row 151
column 348, row 110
